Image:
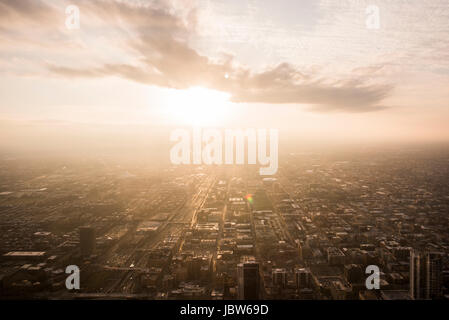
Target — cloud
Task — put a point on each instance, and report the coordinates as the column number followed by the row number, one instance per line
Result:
column 158, row 41
column 284, row 84
column 14, row 13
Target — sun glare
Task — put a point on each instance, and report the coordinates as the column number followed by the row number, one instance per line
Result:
column 198, row 106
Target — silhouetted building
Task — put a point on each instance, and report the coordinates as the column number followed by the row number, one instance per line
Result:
column 87, row 240
column 434, row 275
column 426, row 275
column 353, row 273
column 248, row 280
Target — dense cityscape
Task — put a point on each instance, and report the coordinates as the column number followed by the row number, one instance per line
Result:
column 225, row 232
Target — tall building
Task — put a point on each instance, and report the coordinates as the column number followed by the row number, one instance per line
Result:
column 87, row 240
column 279, row 276
column 426, row 275
column 303, row 278
column 434, row 275
column 248, row 280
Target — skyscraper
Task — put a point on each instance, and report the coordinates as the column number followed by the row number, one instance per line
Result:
column 425, row 275
column 303, row 278
column 279, row 277
column 87, row 240
column 248, row 280
column 434, row 275
column 417, row 275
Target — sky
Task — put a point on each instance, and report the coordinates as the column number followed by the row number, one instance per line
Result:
column 315, row 69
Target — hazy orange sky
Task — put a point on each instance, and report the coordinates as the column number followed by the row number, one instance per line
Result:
column 308, row 67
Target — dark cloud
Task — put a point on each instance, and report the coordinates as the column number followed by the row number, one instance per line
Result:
column 284, row 84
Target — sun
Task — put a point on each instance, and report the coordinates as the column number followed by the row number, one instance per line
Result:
column 198, row 106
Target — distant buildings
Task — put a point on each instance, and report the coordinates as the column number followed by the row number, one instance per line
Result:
column 426, row 275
